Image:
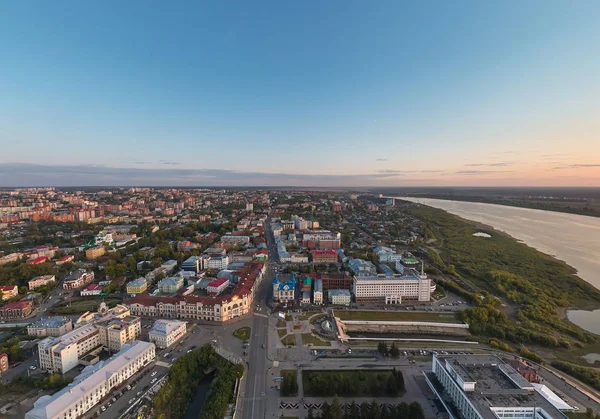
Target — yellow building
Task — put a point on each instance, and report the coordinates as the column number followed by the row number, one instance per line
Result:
column 137, row 286
column 94, row 252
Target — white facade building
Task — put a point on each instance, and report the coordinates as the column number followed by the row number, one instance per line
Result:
column 392, row 289
column 61, row 354
column 339, row 297
column 93, row 384
column 217, row 262
column 164, row 333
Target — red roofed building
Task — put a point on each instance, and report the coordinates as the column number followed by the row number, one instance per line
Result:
column 324, row 256
column 37, row 260
column 90, row 290
column 65, row 259
column 16, row 310
column 217, row 286
column 9, row 291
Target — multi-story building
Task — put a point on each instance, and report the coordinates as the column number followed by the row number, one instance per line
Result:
column 284, row 288
column 318, row 292
column 95, row 252
column 485, row 387
column 115, row 333
column 387, row 255
column 393, row 289
column 339, row 297
column 324, row 256
column 50, row 326
column 9, row 291
column 12, row 257
column 230, row 241
column 137, row 286
column 16, row 309
column 217, row 286
column 362, row 267
column 37, row 260
column 3, row 363
column 169, row 266
column 171, row 284
column 93, row 384
column 61, row 354
column 337, row 281
column 65, row 259
column 164, row 333
column 217, row 262
column 77, row 278
column 192, row 264
column 47, row 251
column 39, row 281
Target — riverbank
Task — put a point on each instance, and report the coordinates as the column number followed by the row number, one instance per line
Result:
column 520, row 293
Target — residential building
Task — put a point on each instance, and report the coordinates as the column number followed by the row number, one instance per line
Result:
column 249, row 206
column 192, row 264
column 9, row 291
column 137, row 286
column 77, row 278
column 171, row 284
column 339, row 297
column 91, row 290
column 12, row 257
column 387, row 255
column 47, row 251
column 50, row 326
column 485, row 387
column 116, row 332
column 297, row 258
column 164, row 333
column 284, row 288
column 393, row 289
column 318, row 292
column 217, row 262
column 3, row 363
column 39, row 281
column 16, row 309
column 37, row 260
column 305, row 297
column 324, row 256
column 93, row 384
column 217, row 286
column 231, row 241
column 95, row 252
column 169, row 266
column 65, row 259
column 61, row 354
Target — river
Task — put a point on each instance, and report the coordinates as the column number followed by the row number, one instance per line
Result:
column 574, row 239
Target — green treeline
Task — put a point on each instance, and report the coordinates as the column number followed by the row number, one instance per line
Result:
column 535, row 284
column 353, row 383
column 590, row 376
column 289, row 385
column 23, row 383
column 366, row 410
column 185, row 375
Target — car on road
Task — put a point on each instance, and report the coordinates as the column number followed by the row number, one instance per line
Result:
column 153, row 373
column 263, row 346
column 132, row 400
column 33, row 367
column 138, row 393
column 128, row 387
column 153, row 381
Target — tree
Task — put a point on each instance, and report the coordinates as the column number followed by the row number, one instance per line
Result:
column 391, row 386
column 401, row 411
column 311, row 414
column 353, row 411
column 415, row 411
column 375, row 410
column 385, row 412
column 336, row 408
column 365, row 410
column 383, row 348
column 325, row 411
column 394, row 351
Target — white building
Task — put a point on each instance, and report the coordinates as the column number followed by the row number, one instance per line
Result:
column 485, row 387
column 318, row 292
column 339, row 297
column 61, row 354
column 164, row 333
column 217, row 262
column 171, row 284
column 387, row 255
column 93, row 384
column 392, row 289
column 249, row 206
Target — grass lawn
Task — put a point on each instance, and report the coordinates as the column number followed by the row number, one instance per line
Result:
column 576, row 415
column 81, row 306
column 317, row 318
column 288, row 375
column 307, row 315
column 289, row 340
column 308, row 338
column 243, row 333
column 281, row 332
column 398, row 316
column 280, row 323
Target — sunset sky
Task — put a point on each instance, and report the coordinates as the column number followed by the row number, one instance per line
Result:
column 300, row 93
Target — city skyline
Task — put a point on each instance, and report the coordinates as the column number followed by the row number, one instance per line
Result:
column 273, row 94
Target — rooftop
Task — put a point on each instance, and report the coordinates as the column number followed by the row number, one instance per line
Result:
column 165, row 327
column 90, row 377
column 49, row 322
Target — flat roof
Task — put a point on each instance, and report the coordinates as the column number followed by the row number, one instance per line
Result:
column 54, row 321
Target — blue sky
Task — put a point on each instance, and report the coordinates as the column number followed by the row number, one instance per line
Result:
column 300, row 93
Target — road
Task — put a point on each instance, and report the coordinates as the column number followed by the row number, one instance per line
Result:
column 253, row 401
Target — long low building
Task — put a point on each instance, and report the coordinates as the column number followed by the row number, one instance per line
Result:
column 93, row 384
column 50, row 326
